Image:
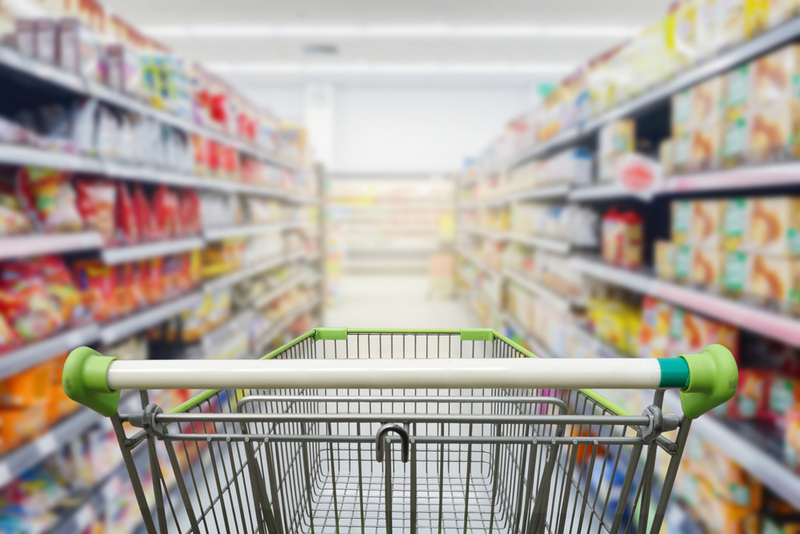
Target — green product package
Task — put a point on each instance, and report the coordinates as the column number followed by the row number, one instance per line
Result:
column 734, row 272
column 681, row 220
column 734, row 223
column 683, row 262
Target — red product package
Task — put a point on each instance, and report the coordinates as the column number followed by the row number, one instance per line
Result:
column 214, row 158
column 165, row 207
column 189, row 209
column 752, row 396
column 62, row 289
column 127, row 224
column 152, row 279
column 145, row 220
column 49, row 195
column 96, row 204
column 97, row 284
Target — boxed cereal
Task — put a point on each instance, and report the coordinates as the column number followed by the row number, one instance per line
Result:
column 773, row 226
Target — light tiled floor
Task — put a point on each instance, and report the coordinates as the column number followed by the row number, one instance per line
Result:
column 395, row 302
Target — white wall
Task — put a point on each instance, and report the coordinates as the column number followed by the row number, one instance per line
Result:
column 418, row 129
column 405, row 129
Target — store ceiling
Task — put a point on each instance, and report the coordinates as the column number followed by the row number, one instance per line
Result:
column 471, row 41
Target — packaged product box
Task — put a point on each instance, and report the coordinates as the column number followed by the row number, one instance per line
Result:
column 735, row 142
column 683, row 256
column 708, row 104
column 123, row 71
column 772, row 132
column 666, row 155
column 690, row 333
column 705, row 223
column 654, row 339
column 782, row 10
column 79, row 49
column 784, row 394
column 737, row 90
column 681, row 118
column 774, row 526
column 665, row 259
column 683, row 26
column 724, row 517
column 25, row 37
column 774, row 77
column 617, row 138
column 707, row 23
column 707, row 267
column 756, row 17
column 773, row 226
column 734, row 223
column 31, row 387
column 19, row 426
column 682, row 152
column 775, row 279
column 705, row 146
column 681, row 220
column 726, row 478
column 735, row 273
column 46, row 40
column 752, row 396
column 731, row 23
column 791, row 438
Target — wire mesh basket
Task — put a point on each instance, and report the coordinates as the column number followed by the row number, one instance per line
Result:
column 361, row 431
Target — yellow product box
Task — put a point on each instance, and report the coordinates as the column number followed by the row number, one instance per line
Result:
column 665, row 259
column 707, row 267
column 734, row 223
column 654, row 338
column 756, row 14
column 731, row 23
column 773, row 226
column 681, row 220
column 774, row 278
column 617, row 138
column 666, row 156
column 705, row 223
column 723, row 517
column 707, row 102
column 682, row 28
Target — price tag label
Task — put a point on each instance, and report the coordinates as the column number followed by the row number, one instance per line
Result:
column 46, row 445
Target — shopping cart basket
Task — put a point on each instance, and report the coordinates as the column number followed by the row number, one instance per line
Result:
column 425, row 431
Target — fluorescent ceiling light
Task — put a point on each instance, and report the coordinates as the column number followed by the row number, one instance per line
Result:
column 391, row 68
column 352, row 31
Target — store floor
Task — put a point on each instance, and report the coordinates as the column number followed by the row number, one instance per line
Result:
column 396, row 301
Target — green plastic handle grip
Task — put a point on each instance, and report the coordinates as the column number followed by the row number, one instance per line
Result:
column 84, row 381
column 713, row 379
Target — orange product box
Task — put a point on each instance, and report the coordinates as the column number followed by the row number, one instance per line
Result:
column 654, row 338
column 31, row 387
column 20, row 425
column 772, row 132
column 705, row 145
column 691, row 333
column 791, row 441
column 705, row 223
column 774, row 279
column 707, row 103
column 723, row 517
column 707, row 266
column 773, row 226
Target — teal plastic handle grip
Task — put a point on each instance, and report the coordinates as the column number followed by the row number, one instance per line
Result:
column 713, row 379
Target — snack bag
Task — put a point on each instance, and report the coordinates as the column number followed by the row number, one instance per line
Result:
column 144, row 215
column 13, row 220
column 96, row 202
column 26, row 303
column 165, row 207
column 752, row 396
column 31, row 387
column 153, row 279
column 62, row 288
column 98, row 288
column 189, row 213
column 127, row 225
column 51, row 197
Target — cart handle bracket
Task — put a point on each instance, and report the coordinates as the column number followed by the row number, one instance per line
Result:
column 380, row 440
column 713, row 379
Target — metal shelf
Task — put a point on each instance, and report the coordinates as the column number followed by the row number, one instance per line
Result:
column 544, row 243
column 560, row 302
column 41, row 351
column 720, row 63
column 776, row 475
column 750, row 177
column 217, row 234
column 765, row 322
column 496, row 235
column 113, row 256
column 550, row 192
column 266, row 298
column 600, row 192
column 144, row 319
column 54, row 76
column 244, row 273
column 37, row 244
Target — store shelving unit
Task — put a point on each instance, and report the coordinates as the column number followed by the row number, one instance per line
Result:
column 149, row 317
column 35, row 245
column 558, row 301
column 217, row 234
column 41, row 351
column 115, row 255
column 743, row 442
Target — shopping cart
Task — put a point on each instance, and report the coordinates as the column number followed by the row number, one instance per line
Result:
column 425, row 431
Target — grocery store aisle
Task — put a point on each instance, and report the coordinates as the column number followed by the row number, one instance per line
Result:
column 395, row 301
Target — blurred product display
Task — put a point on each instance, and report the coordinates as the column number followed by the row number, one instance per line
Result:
column 146, row 209
column 638, row 212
